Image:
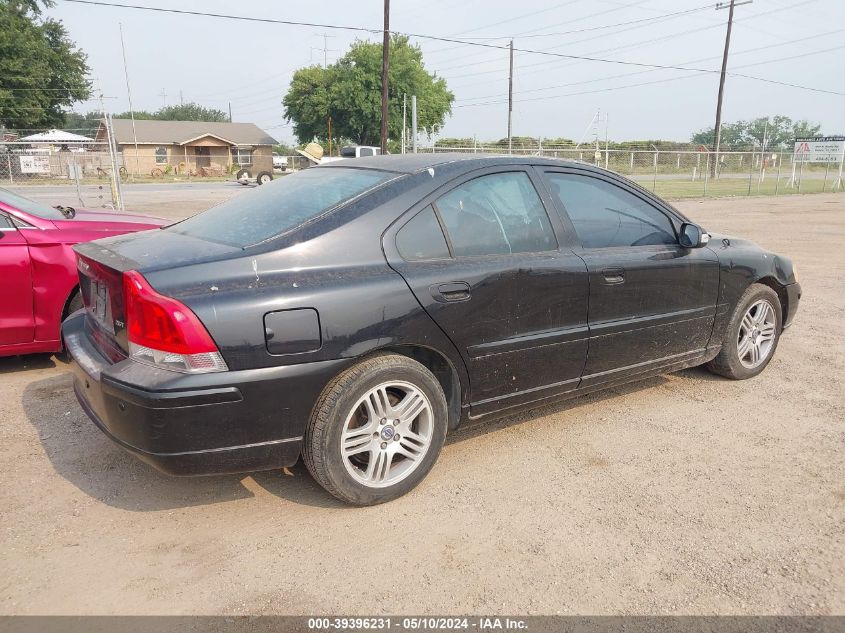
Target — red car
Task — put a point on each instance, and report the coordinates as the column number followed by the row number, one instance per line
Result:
column 38, row 279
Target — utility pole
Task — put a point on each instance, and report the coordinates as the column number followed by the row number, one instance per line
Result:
column 414, row 123
column 404, row 121
column 385, row 65
column 117, row 202
column 510, row 101
column 326, row 37
column 230, row 112
column 181, row 99
column 718, row 129
column 326, row 50
column 129, row 94
column 163, row 95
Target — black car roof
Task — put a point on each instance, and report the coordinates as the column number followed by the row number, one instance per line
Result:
column 413, row 163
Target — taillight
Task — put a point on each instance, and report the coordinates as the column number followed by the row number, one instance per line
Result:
column 164, row 332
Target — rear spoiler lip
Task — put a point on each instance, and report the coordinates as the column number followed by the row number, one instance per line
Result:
column 97, row 253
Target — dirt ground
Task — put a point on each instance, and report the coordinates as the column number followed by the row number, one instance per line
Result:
column 683, row 494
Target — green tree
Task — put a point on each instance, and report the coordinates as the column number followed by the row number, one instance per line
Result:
column 41, row 70
column 183, row 112
column 732, row 137
column 349, row 92
column 803, row 129
column 778, row 131
column 456, row 142
column 86, row 124
column 140, row 115
column 190, row 112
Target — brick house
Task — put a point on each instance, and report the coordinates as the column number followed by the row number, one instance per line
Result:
column 204, row 147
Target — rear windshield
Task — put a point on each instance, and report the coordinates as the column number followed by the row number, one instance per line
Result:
column 279, row 206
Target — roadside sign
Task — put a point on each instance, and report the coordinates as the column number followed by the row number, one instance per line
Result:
column 820, row 149
column 35, row 164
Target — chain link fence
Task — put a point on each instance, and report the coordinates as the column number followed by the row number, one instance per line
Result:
column 90, row 172
column 691, row 173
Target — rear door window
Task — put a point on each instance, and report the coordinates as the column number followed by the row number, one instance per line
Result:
column 281, row 205
column 422, row 238
column 496, row 214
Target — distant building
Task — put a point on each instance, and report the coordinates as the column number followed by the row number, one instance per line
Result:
column 58, row 140
column 198, row 146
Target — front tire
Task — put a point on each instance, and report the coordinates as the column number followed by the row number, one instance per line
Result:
column 264, row 177
column 752, row 335
column 376, row 430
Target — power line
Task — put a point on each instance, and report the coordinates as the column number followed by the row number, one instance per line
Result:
column 605, row 50
column 653, row 18
column 531, row 31
column 369, row 30
column 590, row 39
column 692, row 61
column 645, row 83
column 416, row 35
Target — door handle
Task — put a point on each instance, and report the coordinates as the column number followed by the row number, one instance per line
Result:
column 451, row 291
column 614, row 275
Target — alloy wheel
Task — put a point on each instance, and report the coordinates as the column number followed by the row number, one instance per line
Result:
column 756, row 337
column 386, row 434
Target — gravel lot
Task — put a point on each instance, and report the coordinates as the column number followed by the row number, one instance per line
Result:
column 683, row 494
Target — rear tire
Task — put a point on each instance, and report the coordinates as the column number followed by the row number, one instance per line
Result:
column 264, row 177
column 376, row 430
column 752, row 335
column 75, row 303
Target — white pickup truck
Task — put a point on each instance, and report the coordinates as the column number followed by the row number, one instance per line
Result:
column 280, row 162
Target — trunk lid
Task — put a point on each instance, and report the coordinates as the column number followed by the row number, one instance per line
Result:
column 101, row 265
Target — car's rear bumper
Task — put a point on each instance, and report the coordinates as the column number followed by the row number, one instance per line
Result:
column 183, row 424
column 793, row 296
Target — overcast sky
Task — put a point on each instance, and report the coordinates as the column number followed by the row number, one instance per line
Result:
column 214, row 61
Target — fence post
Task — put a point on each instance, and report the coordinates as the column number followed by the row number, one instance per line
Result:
column 826, row 169
column 9, row 163
column 632, row 162
column 800, row 173
column 706, row 174
column 76, row 179
column 654, row 184
column 777, row 182
column 750, row 174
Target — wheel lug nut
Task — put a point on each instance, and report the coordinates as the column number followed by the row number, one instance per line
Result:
column 396, row 438
column 384, row 444
column 382, row 421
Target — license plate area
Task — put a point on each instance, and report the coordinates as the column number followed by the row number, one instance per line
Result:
column 102, row 295
column 100, row 305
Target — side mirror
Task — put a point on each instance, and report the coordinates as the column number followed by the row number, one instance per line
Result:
column 692, row 236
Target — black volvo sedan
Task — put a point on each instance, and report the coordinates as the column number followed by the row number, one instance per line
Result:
column 356, row 312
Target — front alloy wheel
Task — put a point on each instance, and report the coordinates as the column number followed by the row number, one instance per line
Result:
column 752, row 335
column 756, row 337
